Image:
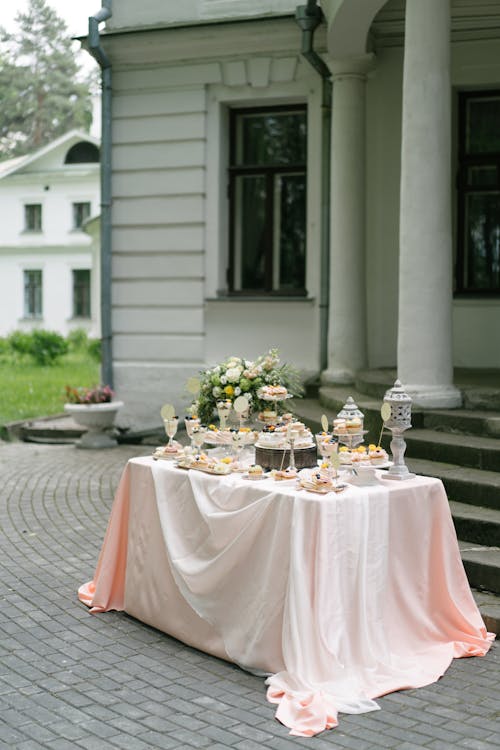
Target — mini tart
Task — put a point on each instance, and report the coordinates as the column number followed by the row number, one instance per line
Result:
column 283, row 474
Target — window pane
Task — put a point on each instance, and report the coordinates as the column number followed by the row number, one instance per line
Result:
column 81, row 212
column 250, row 239
column 81, row 293
column 33, row 217
column 272, row 138
column 32, row 294
column 292, row 231
column 482, row 131
column 482, row 253
column 482, row 176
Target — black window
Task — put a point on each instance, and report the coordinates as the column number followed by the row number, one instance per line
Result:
column 33, row 217
column 267, row 200
column 81, row 212
column 33, row 294
column 81, row 293
column 478, row 246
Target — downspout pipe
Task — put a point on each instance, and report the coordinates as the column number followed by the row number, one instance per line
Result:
column 309, row 17
column 95, row 49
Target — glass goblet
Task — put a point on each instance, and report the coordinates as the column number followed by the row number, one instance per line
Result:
column 198, row 436
column 171, row 424
column 223, row 410
column 191, row 424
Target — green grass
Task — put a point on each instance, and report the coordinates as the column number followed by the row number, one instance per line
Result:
column 30, row 390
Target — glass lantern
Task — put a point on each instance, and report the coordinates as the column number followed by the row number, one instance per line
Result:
column 399, row 421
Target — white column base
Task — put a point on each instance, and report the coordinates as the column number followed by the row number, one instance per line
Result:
column 435, row 396
column 337, row 376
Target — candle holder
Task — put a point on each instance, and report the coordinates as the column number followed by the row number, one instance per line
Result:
column 398, row 422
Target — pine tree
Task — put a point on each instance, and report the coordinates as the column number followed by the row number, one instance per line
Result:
column 41, row 94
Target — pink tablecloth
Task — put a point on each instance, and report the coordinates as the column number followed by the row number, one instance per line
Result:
column 338, row 598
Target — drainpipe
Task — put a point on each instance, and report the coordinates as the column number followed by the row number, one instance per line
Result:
column 309, row 18
column 94, row 48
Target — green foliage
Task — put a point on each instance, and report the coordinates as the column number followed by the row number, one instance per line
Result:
column 78, row 340
column 41, row 95
column 47, row 347
column 44, row 347
column 94, row 349
column 20, row 342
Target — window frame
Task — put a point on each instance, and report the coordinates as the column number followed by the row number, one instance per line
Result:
column 78, row 227
column 30, row 292
column 36, row 215
column 76, row 288
column 464, row 189
column 269, row 173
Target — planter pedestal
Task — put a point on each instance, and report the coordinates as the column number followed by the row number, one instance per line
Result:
column 97, row 418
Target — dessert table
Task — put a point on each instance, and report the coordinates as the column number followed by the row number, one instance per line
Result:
column 337, row 599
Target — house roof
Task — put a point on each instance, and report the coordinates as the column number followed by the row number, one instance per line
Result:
column 18, row 163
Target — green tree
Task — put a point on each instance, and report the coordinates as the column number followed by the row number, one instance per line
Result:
column 41, row 91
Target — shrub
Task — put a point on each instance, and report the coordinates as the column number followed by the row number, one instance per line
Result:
column 77, row 339
column 94, row 349
column 4, row 346
column 20, row 342
column 47, row 347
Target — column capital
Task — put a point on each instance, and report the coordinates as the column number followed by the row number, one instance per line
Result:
column 351, row 67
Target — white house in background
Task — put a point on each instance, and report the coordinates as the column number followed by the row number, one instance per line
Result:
column 45, row 255
column 221, row 128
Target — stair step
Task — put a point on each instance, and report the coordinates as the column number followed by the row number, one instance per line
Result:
column 463, row 421
column 476, row 524
column 489, row 607
column 482, row 565
column 462, row 450
column 472, row 486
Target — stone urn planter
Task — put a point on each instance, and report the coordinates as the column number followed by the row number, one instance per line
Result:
column 98, row 419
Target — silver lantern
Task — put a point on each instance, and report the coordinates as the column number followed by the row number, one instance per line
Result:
column 399, row 421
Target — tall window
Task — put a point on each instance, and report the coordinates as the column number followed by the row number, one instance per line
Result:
column 81, row 212
column 267, row 201
column 81, row 293
column 478, row 250
column 32, row 294
column 33, row 217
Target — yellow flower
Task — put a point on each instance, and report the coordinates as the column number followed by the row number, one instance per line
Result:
column 229, row 390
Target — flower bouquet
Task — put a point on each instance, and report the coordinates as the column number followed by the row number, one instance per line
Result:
column 237, row 376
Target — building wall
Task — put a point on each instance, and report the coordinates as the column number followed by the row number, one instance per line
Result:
column 169, row 220
column 57, row 250
column 127, row 13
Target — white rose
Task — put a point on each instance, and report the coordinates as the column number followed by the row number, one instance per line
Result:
column 237, row 391
column 216, row 391
column 233, row 374
column 223, row 379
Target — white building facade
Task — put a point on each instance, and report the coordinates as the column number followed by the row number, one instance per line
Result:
column 219, row 196
column 46, row 256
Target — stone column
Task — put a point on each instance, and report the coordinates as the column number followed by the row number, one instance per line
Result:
column 347, row 311
column 425, row 262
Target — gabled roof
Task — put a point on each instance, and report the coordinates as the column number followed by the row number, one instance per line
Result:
column 20, row 162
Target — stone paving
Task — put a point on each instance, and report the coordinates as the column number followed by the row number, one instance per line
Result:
column 70, row 680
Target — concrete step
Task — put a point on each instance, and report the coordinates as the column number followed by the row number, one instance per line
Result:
column 463, row 421
column 476, row 524
column 462, row 450
column 482, row 565
column 471, row 486
column 489, row 607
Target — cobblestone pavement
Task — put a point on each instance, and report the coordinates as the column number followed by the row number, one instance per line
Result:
column 70, row 680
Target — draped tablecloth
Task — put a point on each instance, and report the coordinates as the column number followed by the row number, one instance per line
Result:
column 339, row 598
